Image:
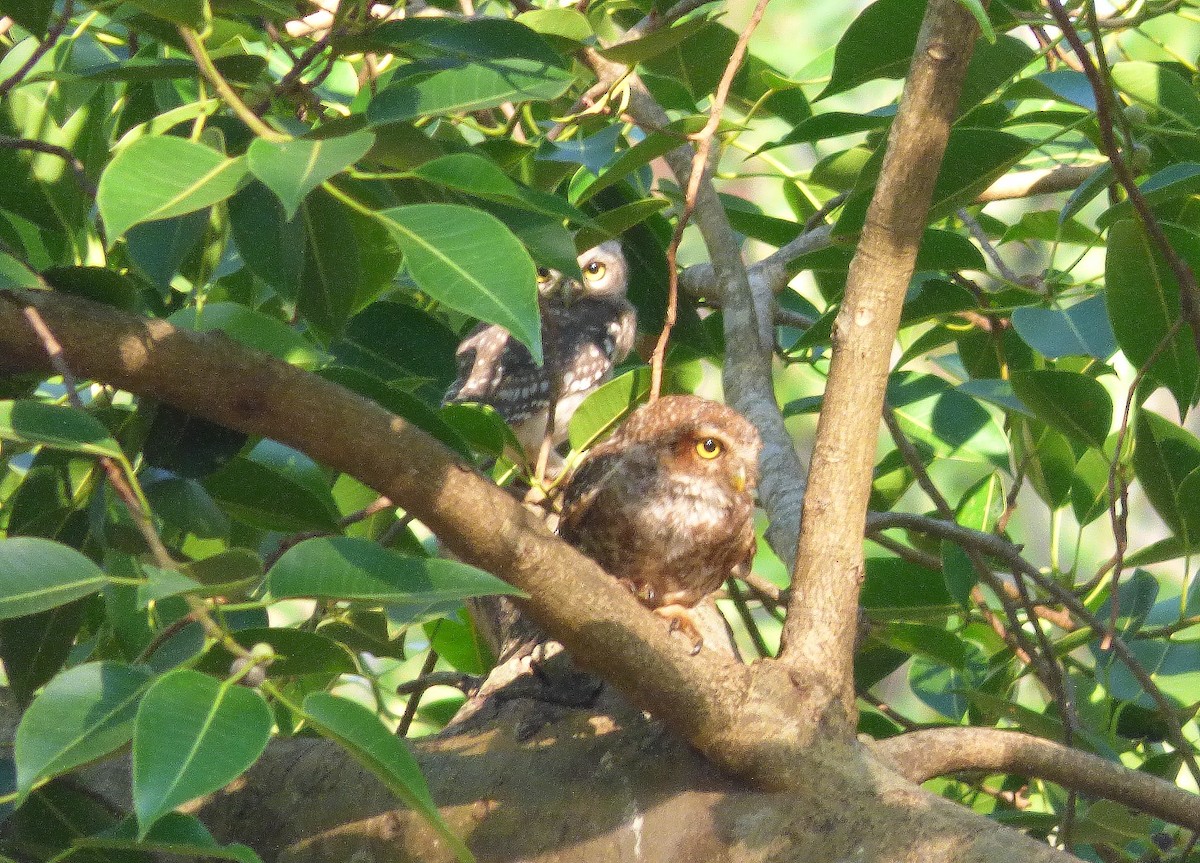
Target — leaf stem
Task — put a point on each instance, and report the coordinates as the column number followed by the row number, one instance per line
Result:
column 226, row 92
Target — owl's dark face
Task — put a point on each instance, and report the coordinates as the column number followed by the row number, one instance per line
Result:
column 721, row 456
column 698, row 442
column 605, row 274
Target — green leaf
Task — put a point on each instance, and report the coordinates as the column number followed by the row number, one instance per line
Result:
column 161, row 583
column 82, row 715
column 33, row 648
column 1163, row 92
column 1143, row 304
column 974, row 158
column 375, row 747
column 292, row 169
column 878, row 44
column 1089, row 488
column 1164, row 457
column 348, row 568
column 452, row 253
column 252, row 328
column 479, row 176
column 58, row 426
column 160, row 248
column 472, row 87
column 275, row 488
column 654, row 43
column 38, row 574
column 979, row 13
column 332, row 273
column 33, row 15
column 894, row 589
column 179, row 835
column 156, row 178
column 1083, row 330
column 1075, row 404
column 954, row 425
column 273, row 248
column 1049, row 460
column 189, row 13
column 299, row 653
column 193, row 735
column 1173, row 182
column 14, row 274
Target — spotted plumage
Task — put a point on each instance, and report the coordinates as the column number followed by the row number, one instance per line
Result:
column 666, row 503
column 588, row 327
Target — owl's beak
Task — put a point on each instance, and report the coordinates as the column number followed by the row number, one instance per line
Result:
column 739, row 479
column 569, row 288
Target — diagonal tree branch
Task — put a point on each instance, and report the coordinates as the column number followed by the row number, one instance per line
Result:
column 822, row 614
column 922, row 755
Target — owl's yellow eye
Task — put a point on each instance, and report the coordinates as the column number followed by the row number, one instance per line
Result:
column 595, row 270
column 708, row 448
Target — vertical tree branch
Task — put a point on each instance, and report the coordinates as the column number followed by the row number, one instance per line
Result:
column 822, row 615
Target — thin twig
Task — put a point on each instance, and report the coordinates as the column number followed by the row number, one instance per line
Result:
column 414, row 700
column 52, row 35
column 1189, row 292
column 226, row 92
column 116, row 477
column 78, row 169
column 703, row 141
column 1011, row 555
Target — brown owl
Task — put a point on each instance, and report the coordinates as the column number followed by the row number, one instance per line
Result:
column 587, row 328
column 666, row 503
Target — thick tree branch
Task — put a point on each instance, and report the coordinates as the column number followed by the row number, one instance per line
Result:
column 212, row 376
column 822, row 615
column 922, row 755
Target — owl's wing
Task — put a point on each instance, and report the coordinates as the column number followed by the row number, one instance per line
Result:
column 495, row 369
column 587, row 339
column 586, row 483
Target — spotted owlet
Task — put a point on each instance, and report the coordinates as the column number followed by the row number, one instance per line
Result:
column 587, row 328
column 666, row 504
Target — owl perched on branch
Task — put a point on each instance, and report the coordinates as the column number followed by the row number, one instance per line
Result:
column 588, row 327
column 666, row 504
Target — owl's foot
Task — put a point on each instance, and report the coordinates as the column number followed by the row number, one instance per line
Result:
column 680, row 619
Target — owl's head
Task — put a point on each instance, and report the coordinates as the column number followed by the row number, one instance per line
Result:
column 695, row 437
column 605, row 274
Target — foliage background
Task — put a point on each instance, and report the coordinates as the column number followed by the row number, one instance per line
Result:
column 349, row 220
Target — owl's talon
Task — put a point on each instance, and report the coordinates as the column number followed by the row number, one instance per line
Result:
column 679, row 619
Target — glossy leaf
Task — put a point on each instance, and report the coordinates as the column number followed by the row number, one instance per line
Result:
column 57, row 426
column 1143, row 304
column 878, row 44
column 375, row 747
column 1077, row 405
column 264, row 496
column 193, row 735
column 14, row 274
column 472, row 87
column 355, row 569
column 298, row 653
column 1164, row 456
column 451, row 252
column 156, row 178
column 189, row 13
column 292, row 169
column 38, row 574
column 82, row 715
column 1081, row 330
column 332, row 273
column 252, row 328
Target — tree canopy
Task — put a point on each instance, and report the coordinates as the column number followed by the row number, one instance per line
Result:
column 947, row 267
